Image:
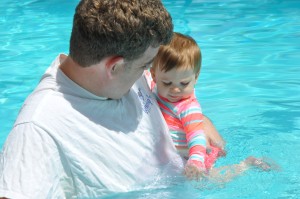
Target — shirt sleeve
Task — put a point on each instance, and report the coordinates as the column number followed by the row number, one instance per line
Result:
column 192, row 121
column 28, row 168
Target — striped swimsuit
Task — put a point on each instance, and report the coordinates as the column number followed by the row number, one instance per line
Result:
column 185, row 122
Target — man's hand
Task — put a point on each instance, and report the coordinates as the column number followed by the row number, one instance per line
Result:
column 213, row 136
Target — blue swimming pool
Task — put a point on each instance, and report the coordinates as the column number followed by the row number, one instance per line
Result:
column 249, row 83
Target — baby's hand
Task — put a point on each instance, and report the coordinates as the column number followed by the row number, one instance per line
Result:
column 194, row 172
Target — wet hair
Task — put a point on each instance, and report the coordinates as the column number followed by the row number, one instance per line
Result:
column 182, row 51
column 126, row 28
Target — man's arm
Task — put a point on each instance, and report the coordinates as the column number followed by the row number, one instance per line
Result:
column 213, row 135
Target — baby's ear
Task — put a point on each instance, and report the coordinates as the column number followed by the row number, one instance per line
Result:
column 197, row 75
column 152, row 71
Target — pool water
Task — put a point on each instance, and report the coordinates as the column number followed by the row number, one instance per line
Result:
column 249, row 83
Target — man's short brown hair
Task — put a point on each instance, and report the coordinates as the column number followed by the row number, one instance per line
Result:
column 117, row 27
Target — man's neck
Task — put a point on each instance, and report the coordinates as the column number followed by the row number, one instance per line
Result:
column 85, row 77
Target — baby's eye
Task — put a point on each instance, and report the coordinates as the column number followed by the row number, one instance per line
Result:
column 184, row 83
column 167, row 83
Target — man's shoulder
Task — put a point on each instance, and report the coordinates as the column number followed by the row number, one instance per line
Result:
column 38, row 105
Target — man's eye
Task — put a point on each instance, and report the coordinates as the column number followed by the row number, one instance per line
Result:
column 167, row 83
column 147, row 66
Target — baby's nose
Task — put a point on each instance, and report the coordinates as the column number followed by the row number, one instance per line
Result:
column 175, row 89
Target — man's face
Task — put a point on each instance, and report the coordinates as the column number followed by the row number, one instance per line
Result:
column 131, row 72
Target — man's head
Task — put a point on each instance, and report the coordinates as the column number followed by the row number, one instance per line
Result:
column 125, row 28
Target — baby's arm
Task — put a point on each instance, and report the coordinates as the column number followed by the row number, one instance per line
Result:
column 192, row 120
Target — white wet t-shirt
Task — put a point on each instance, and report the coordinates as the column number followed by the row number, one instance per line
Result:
column 69, row 143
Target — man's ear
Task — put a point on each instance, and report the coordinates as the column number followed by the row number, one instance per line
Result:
column 152, row 71
column 113, row 65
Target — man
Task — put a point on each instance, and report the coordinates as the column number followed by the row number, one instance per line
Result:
column 92, row 126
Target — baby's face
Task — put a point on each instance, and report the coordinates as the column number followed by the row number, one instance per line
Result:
column 176, row 84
